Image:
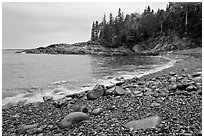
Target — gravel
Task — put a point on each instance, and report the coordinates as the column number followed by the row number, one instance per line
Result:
column 180, row 110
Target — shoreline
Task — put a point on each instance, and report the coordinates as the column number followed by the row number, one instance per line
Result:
column 107, row 83
column 150, row 95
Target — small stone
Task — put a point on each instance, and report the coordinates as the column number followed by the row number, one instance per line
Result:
column 136, row 92
column 139, row 95
column 113, row 107
column 173, row 87
column 97, row 92
column 155, row 104
column 173, row 79
column 197, row 74
column 182, row 86
column 73, row 118
column 97, row 111
column 82, row 109
column 80, row 134
column 110, row 91
column 150, row 122
column 58, row 134
column 125, row 105
column 61, row 102
column 191, row 88
column 41, row 134
column 197, row 78
column 119, row 90
column 172, row 73
column 26, row 128
column 200, row 93
column 156, row 94
column 16, row 116
column 47, row 98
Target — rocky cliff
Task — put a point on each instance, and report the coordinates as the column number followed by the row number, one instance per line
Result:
column 162, row 44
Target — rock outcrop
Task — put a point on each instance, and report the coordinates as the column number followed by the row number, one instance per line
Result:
column 80, row 48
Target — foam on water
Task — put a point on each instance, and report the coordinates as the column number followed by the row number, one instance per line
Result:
column 59, row 89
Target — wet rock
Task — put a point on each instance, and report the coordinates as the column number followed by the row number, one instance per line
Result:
column 199, row 78
column 47, row 98
column 150, row 122
column 136, row 92
column 156, row 94
column 182, row 86
column 97, row 111
column 197, row 74
column 173, row 79
column 110, row 91
column 113, row 107
column 35, row 130
column 16, row 116
column 139, row 95
column 191, row 88
column 172, row 73
column 148, row 93
column 173, row 87
column 110, row 77
column 155, row 104
column 23, row 129
column 58, row 134
column 200, row 93
column 61, row 102
column 82, row 109
column 125, row 105
column 97, row 92
column 119, row 91
column 72, row 118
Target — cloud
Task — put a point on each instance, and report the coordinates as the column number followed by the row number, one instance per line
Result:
column 26, row 25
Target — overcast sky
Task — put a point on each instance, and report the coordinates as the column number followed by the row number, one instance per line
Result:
column 30, row 25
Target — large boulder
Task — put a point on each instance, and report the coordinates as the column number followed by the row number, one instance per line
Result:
column 73, row 118
column 97, row 92
column 150, row 122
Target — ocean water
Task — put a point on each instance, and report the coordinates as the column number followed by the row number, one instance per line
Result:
column 29, row 76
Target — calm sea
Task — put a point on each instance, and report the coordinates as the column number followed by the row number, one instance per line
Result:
column 29, row 76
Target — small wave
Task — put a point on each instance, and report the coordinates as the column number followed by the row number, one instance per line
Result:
column 58, row 82
column 37, row 96
column 139, row 74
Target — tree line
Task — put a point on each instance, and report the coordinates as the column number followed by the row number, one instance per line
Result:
column 183, row 19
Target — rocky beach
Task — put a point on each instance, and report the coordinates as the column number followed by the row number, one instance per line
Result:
column 165, row 103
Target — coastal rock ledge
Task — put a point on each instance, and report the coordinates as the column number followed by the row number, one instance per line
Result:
column 80, row 48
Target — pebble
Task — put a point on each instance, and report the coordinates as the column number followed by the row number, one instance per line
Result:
column 150, row 122
column 119, row 91
column 47, row 98
column 172, row 73
column 191, row 88
column 139, row 95
column 82, row 109
column 97, row 111
column 136, row 92
column 125, row 105
column 97, row 92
